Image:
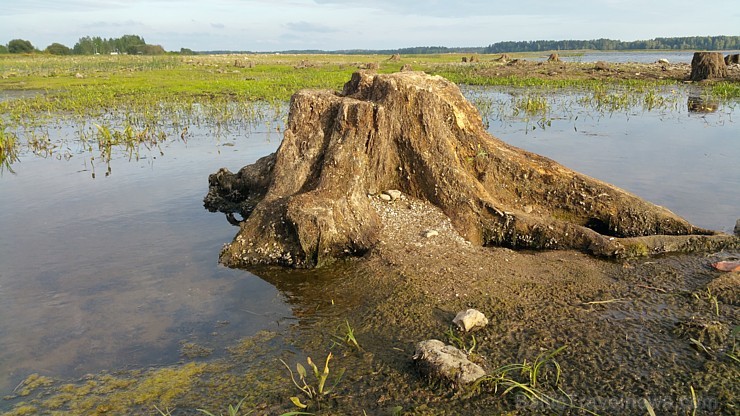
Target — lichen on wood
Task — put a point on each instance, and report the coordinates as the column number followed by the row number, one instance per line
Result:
column 308, row 203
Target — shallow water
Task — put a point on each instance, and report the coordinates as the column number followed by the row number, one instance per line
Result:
column 117, row 271
column 685, row 161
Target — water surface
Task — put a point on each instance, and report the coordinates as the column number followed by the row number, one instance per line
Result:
column 117, row 271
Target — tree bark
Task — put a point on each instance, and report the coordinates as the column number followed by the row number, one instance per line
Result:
column 707, row 65
column 309, row 203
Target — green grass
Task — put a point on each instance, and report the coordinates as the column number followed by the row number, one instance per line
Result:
column 538, row 381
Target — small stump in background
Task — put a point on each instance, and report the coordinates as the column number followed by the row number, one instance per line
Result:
column 708, row 65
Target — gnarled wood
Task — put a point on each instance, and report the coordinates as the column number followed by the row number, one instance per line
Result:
column 309, row 203
column 707, row 65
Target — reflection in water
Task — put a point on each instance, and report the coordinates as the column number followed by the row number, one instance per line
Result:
column 698, row 104
column 115, row 272
column 673, row 157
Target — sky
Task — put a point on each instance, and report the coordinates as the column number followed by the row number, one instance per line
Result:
column 275, row 25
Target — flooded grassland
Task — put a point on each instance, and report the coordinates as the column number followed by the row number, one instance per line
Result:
column 112, row 301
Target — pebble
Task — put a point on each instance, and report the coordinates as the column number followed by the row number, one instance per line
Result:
column 385, row 197
column 431, row 233
column 470, row 319
column 393, row 193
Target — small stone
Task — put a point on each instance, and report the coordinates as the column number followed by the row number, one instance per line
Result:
column 393, row 193
column 446, row 363
column 431, row 233
column 470, row 319
column 528, row 209
column 385, row 197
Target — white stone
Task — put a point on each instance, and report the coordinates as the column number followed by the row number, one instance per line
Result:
column 431, row 233
column 393, row 193
column 385, row 197
column 446, row 362
column 470, row 319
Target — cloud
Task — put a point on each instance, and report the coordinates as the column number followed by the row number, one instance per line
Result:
column 35, row 6
column 307, row 27
column 218, row 25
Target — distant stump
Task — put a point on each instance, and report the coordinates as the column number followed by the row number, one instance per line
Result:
column 707, row 65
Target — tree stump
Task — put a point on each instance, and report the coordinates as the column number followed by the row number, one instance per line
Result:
column 553, row 58
column 310, row 202
column 707, row 65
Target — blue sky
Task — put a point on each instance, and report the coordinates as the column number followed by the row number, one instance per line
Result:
column 268, row 25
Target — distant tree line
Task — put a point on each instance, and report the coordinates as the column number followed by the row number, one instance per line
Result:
column 126, row 44
column 708, row 43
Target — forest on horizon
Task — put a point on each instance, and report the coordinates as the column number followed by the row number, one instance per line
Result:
column 134, row 44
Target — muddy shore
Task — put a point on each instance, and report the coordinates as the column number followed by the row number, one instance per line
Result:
column 627, row 326
column 605, row 71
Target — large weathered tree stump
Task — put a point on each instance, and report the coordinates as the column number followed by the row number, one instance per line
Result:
column 309, row 202
column 707, row 65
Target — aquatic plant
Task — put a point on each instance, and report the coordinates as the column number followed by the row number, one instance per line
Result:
column 461, row 342
column 526, row 379
column 8, row 149
column 348, row 337
column 315, row 391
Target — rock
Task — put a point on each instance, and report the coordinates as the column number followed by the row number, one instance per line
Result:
column 386, row 197
column 601, row 66
column 431, row 233
column 663, row 61
column 446, row 363
column 727, row 266
column 470, row 319
column 393, row 193
column 306, row 205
